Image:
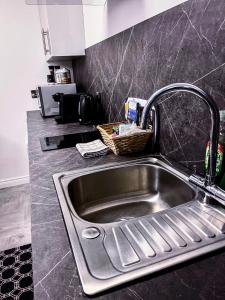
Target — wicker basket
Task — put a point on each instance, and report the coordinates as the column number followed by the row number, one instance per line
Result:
column 120, row 145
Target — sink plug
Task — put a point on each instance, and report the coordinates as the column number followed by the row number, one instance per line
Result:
column 90, row 233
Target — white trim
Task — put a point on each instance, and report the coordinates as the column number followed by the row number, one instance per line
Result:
column 4, row 183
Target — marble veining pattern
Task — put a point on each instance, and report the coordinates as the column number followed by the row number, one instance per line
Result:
column 55, row 273
column 183, row 44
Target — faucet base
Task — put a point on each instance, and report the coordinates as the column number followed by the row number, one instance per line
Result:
column 214, row 193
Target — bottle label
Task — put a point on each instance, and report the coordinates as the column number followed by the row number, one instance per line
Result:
column 219, row 161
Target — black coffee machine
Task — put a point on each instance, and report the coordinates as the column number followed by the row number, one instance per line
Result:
column 68, row 107
column 84, row 108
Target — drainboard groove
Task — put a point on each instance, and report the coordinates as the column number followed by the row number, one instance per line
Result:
column 151, row 232
column 177, row 224
column 213, row 211
column 149, row 238
column 192, row 221
column 220, row 211
column 207, row 218
column 126, row 252
column 169, row 232
column 134, row 234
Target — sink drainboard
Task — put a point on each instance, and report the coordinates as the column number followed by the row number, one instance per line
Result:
column 149, row 240
column 110, row 254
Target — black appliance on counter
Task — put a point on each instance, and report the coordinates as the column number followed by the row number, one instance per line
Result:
column 48, row 107
column 68, row 140
column 90, row 109
column 68, row 107
column 84, row 108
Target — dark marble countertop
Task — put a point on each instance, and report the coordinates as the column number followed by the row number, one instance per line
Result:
column 54, row 270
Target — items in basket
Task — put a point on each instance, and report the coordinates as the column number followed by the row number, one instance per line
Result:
column 133, row 109
column 125, row 129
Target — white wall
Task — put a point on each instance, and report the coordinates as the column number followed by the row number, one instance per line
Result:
column 22, row 65
column 102, row 22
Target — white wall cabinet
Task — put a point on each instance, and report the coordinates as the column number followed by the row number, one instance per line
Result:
column 62, row 29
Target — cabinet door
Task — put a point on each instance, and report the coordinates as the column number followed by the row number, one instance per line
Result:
column 63, row 30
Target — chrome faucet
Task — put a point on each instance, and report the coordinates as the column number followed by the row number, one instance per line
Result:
column 214, row 132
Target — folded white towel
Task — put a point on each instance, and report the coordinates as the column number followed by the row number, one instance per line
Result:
column 92, row 149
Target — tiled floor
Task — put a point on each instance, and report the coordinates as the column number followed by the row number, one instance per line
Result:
column 15, row 217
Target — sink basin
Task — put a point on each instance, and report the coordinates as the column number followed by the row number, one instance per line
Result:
column 128, row 192
column 127, row 220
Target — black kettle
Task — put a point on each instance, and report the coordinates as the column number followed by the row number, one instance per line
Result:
column 86, row 110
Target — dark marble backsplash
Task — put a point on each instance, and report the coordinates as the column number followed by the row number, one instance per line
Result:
column 183, row 44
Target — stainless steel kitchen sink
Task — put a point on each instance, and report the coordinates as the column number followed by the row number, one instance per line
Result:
column 131, row 219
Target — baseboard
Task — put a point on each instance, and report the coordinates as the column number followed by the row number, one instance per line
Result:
column 14, row 181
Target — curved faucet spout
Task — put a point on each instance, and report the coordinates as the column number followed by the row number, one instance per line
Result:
column 215, row 121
